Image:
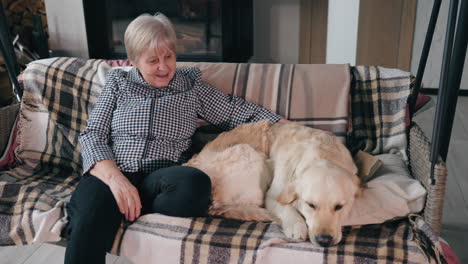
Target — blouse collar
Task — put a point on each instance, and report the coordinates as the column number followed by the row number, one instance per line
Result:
column 174, row 83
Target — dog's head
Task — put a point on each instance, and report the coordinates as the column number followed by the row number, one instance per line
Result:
column 323, row 193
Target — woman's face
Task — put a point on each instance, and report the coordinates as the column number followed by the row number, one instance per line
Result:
column 157, row 69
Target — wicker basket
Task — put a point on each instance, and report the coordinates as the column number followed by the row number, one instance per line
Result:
column 419, row 150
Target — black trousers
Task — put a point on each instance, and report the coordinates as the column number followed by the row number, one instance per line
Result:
column 94, row 216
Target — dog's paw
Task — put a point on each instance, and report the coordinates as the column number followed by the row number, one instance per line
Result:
column 296, row 230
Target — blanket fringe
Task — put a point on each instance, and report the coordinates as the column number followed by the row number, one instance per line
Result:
column 430, row 247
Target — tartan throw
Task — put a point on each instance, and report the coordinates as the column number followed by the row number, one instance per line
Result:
column 214, row 240
column 57, row 96
column 379, row 98
column 298, row 92
column 59, row 93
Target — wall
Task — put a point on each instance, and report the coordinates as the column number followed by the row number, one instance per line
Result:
column 433, row 67
column 276, row 31
column 343, row 18
column 67, row 31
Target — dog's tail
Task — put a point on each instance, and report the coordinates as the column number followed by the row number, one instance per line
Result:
column 242, row 212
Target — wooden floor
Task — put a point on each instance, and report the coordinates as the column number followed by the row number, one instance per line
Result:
column 455, row 220
column 43, row 253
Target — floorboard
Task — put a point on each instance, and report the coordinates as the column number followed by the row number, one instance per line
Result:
column 17, row 254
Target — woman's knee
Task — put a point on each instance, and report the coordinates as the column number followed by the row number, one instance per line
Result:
column 185, row 191
column 177, row 178
column 187, row 180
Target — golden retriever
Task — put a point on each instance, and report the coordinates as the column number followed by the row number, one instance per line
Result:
column 314, row 183
column 312, row 175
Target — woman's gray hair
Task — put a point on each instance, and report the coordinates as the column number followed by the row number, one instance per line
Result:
column 149, row 32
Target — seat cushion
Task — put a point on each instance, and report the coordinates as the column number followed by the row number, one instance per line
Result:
column 8, row 135
column 391, row 193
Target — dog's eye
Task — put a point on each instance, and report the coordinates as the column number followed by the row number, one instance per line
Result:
column 338, row 207
column 312, row 206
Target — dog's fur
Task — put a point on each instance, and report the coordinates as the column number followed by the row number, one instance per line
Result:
column 314, row 178
column 314, row 183
column 236, row 162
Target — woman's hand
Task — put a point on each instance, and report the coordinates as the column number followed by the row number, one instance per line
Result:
column 127, row 197
column 125, row 194
column 285, row 121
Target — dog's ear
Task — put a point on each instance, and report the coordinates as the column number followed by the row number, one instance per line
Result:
column 288, row 195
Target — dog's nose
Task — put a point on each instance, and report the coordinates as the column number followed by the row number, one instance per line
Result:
column 324, row 240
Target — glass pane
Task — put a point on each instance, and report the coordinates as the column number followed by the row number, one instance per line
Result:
column 197, row 24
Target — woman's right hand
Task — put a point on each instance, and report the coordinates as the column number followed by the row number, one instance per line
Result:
column 127, row 197
column 125, row 193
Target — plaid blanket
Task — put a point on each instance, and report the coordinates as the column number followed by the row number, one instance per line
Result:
column 294, row 91
column 213, row 240
column 379, row 98
column 58, row 95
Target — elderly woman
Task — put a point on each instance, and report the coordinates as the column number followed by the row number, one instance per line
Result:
column 137, row 136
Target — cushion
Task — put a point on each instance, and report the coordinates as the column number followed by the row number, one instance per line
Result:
column 423, row 103
column 449, row 253
column 392, row 193
column 8, row 135
column 119, row 63
column 8, row 157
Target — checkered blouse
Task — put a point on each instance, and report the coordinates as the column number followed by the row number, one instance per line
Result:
column 143, row 128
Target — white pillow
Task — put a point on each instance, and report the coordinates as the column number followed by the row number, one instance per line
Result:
column 393, row 193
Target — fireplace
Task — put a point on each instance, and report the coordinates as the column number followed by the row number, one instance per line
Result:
column 207, row 30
